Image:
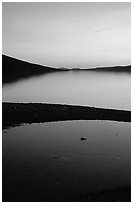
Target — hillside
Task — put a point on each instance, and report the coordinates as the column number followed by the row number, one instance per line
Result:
column 113, row 69
column 14, row 69
column 106, row 69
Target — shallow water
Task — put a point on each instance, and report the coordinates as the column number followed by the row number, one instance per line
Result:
column 50, row 160
column 99, row 89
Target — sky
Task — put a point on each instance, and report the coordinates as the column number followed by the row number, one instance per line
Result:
column 68, row 35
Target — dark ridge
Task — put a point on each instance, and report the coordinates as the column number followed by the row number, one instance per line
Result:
column 14, row 69
column 106, row 69
column 17, row 113
column 113, row 69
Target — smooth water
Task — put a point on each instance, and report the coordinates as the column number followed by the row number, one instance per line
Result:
column 50, row 160
column 99, row 89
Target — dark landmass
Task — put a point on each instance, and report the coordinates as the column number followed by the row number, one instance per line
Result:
column 14, row 69
column 113, row 69
column 122, row 194
column 63, row 69
column 17, row 113
column 117, row 69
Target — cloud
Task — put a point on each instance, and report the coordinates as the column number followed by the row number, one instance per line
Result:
column 102, row 29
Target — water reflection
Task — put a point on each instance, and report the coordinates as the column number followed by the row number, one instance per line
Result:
column 50, row 160
column 109, row 90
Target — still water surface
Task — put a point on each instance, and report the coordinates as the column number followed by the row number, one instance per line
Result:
column 50, row 160
column 99, row 89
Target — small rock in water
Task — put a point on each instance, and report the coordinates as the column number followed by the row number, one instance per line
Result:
column 83, row 138
column 116, row 134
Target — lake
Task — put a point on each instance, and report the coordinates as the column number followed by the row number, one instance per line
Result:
column 49, row 160
column 99, row 89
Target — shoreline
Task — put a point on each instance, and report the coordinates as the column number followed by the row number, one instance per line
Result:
column 14, row 114
column 11, row 73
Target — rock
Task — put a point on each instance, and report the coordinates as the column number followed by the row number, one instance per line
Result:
column 83, row 138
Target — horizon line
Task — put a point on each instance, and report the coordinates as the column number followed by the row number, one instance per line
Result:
column 62, row 66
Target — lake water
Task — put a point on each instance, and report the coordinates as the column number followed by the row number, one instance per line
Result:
column 99, row 89
column 50, row 160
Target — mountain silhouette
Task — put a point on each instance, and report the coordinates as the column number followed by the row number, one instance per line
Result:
column 14, row 69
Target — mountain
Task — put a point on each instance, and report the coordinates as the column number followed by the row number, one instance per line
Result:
column 106, row 69
column 14, row 69
column 113, row 69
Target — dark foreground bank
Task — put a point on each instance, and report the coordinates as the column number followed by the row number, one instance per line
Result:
column 122, row 194
column 17, row 113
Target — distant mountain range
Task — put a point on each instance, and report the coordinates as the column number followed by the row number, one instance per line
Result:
column 14, row 69
column 109, row 69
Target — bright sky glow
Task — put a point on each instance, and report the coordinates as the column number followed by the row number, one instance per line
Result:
column 68, row 34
